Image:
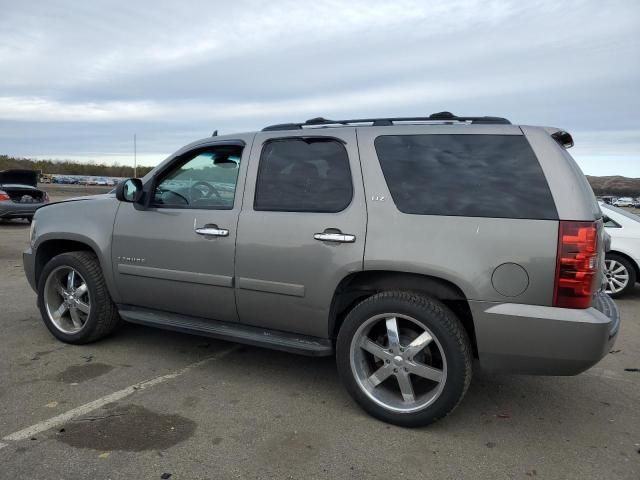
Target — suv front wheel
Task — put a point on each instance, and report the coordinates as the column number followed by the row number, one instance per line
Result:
column 404, row 357
column 73, row 299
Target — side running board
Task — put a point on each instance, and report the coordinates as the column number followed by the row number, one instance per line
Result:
column 234, row 332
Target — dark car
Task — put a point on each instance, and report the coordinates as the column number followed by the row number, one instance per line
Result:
column 19, row 194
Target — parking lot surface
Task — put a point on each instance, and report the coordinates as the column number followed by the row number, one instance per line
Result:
column 147, row 403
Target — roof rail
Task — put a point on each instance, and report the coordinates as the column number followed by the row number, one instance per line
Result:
column 440, row 117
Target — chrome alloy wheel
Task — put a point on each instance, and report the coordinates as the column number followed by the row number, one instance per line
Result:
column 67, row 299
column 398, row 362
column 617, row 276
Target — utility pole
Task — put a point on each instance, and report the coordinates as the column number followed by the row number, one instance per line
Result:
column 135, row 163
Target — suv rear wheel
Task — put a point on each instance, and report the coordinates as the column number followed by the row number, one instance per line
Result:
column 73, row 299
column 404, row 357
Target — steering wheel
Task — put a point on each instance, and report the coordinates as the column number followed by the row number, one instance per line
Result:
column 210, row 190
column 162, row 191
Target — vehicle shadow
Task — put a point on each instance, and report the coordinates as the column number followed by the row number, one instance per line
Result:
column 493, row 402
column 14, row 223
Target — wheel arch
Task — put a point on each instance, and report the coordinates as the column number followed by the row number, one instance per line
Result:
column 355, row 287
column 50, row 248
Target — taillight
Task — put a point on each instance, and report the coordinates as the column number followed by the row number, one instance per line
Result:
column 45, row 197
column 4, row 196
column 576, row 264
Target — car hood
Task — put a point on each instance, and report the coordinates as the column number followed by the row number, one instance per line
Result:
column 89, row 197
column 19, row 177
column 84, row 198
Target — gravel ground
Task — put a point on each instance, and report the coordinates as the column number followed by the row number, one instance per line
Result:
column 220, row 410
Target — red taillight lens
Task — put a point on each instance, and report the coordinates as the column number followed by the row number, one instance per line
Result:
column 577, row 264
column 4, row 196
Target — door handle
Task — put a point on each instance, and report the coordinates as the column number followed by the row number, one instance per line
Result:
column 211, row 230
column 335, row 237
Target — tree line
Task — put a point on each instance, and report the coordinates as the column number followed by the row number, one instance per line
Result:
column 67, row 167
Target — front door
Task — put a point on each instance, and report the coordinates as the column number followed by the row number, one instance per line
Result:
column 301, row 230
column 177, row 255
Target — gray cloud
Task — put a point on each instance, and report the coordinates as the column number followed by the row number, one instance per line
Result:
column 79, row 79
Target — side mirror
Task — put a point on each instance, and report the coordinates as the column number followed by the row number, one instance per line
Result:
column 130, row 190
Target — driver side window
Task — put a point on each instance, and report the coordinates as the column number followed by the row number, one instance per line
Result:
column 203, row 179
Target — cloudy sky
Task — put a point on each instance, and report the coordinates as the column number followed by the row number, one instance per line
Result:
column 77, row 79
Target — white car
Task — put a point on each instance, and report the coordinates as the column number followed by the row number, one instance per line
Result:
column 623, row 259
column 624, row 202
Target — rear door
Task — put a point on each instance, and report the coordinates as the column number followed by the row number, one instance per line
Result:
column 301, row 230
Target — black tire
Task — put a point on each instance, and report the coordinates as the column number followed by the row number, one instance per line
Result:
column 630, row 270
column 103, row 317
column 443, row 325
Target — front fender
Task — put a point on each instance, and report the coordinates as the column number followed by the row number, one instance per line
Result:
column 88, row 221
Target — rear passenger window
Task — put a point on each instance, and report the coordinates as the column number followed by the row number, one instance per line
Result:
column 303, row 175
column 466, row 175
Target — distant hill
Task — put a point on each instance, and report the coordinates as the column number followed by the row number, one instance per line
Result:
column 615, row 185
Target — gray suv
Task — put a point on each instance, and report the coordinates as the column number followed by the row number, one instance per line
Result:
column 406, row 247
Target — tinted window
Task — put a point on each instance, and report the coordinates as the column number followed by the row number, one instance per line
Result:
column 304, row 175
column 205, row 179
column 470, row 175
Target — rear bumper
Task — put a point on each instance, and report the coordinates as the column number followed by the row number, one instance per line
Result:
column 18, row 210
column 539, row 340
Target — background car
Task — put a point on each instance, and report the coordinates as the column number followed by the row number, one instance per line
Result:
column 623, row 259
column 65, row 180
column 624, row 202
column 19, row 195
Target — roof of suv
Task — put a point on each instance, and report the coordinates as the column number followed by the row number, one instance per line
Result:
column 440, row 117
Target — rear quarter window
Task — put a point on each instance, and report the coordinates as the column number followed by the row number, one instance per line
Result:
column 465, row 175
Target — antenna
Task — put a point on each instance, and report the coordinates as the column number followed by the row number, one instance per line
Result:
column 215, row 133
column 135, row 155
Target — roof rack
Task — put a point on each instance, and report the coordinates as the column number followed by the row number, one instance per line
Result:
column 440, row 117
